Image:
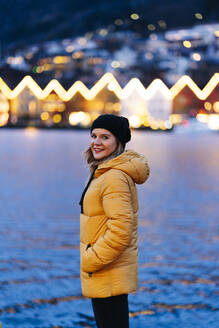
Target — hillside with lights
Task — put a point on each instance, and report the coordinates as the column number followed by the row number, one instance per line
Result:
column 56, row 20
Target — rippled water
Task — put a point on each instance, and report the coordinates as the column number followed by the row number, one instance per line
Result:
column 42, row 176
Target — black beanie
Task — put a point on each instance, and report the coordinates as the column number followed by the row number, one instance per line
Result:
column 117, row 125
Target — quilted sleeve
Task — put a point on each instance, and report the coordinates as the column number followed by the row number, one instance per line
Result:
column 117, row 205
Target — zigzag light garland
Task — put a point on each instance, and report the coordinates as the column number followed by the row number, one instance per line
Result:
column 110, row 81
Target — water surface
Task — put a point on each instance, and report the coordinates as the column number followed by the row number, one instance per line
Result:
column 42, row 176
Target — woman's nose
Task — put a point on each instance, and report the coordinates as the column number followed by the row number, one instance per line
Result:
column 97, row 141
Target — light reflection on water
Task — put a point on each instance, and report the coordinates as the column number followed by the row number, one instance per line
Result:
column 42, row 175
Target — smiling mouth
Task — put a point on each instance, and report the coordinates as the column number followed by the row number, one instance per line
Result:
column 97, row 150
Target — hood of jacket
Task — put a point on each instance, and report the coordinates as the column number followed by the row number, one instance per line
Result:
column 130, row 162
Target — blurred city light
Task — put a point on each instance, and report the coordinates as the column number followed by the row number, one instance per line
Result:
column 208, row 105
column 151, row 27
column 196, row 56
column 118, row 22
column 81, row 118
column 203, row 118
column 198, row 16
column 213, row 122
column 187, row 44
column 134, row 16
column 134, row 121
column 216, row 106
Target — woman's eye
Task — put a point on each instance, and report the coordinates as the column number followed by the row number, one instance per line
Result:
column 105, row 137
column 93, row 136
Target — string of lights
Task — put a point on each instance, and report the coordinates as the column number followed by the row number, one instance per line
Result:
column 108, row 80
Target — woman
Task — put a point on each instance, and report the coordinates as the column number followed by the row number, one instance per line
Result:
column 108, row 221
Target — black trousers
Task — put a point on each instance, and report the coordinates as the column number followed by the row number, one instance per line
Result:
column 111, row 312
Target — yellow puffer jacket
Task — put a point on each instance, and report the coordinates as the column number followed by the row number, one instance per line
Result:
column 108, row 227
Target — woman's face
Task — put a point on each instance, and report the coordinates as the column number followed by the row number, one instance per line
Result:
column 103, row 143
